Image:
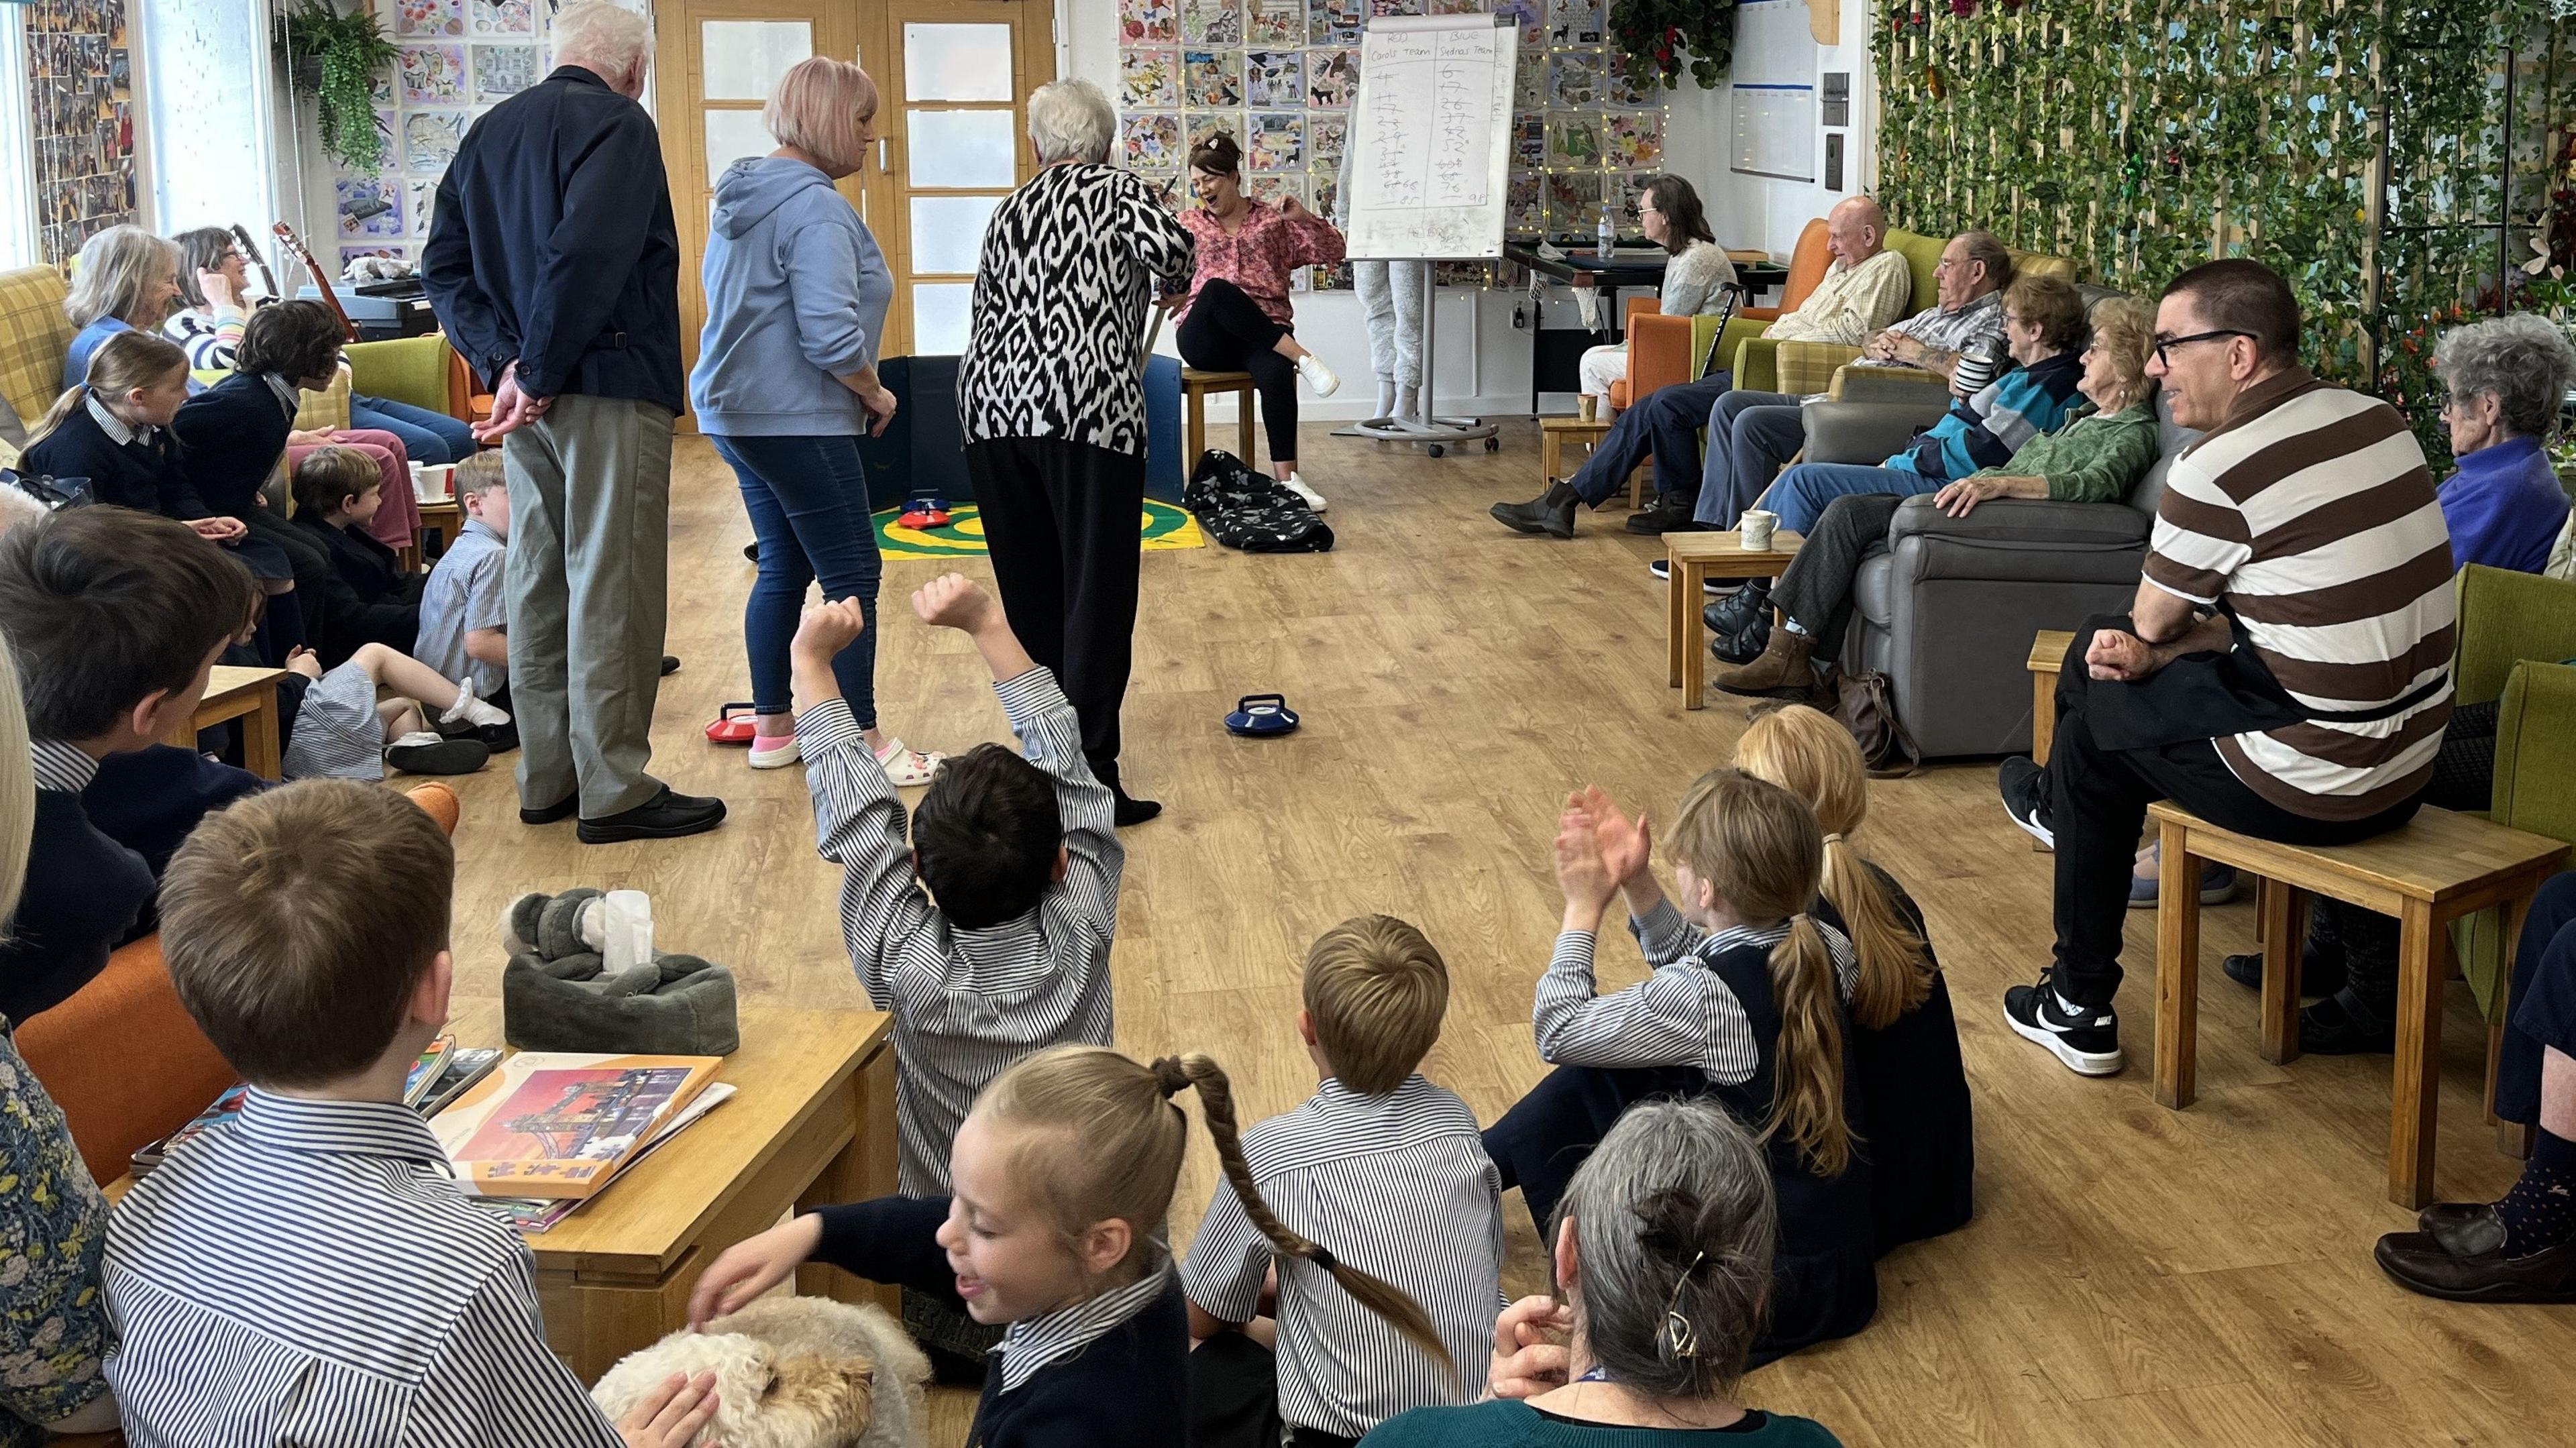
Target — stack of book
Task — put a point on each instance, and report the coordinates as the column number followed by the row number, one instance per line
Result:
column 442, row 1074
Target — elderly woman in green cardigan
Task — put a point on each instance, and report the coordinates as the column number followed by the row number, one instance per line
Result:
column 2096, row 456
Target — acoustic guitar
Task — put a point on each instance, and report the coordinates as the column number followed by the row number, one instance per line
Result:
column 296, row 248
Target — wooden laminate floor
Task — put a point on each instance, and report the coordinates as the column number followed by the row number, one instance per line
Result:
column 2134, row 1275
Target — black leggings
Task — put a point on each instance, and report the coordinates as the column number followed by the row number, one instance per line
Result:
column 1226, row 332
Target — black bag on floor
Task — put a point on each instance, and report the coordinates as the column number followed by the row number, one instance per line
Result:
column 1251, row 511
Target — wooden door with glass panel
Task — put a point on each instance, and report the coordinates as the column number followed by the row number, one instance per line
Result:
column 955, row 77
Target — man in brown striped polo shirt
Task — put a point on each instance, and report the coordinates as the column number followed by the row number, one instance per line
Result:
column 2306, row 514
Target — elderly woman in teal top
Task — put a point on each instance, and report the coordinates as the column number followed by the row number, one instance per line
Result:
column 786, row 379
column 1663, row 1243
column 54, row 1330
column 2104, row 447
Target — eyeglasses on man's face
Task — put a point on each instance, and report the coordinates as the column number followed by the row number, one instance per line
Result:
column 2165, row 345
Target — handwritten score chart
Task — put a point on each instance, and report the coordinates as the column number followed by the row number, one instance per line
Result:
column 1432, row 138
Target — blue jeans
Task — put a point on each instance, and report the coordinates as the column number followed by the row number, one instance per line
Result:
column 1750, row 434
column 808, row 500
column 1802, row 492
column 1666, row 425
column 429, row 438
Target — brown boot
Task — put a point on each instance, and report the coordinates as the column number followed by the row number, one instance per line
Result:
column 1782, row 666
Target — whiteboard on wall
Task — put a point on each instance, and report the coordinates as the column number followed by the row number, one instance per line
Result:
column 1774, row 91
column 1431, row 141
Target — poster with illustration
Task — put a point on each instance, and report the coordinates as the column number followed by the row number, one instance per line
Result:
column 1529, row 140
column 1203, row 126
column 1574, row 78
column 429, row 17
column 1332, row 78
column 1278, row 141
column 430, row 140
column 1525, row 204
column 1326, row 136
column 1324, row 194
column 1212, row 22
column 1271, row 188
column 420, row 196
column 497, row 19
column 1529, row 83
column 1275, row 22
column 1149, row 79
column 1211, row 79
column 1336, row 22
column 1396, row 7
column 1573, row 22
column 1531, row 17
column 1632, row 140
column 1153, row 141
column 1573, row 138
column 1618, row 90
column 432, row 75
column 1149, row 22
column 1274, row 78
column 354, row 194
column 502, row 71
column 1573, row 204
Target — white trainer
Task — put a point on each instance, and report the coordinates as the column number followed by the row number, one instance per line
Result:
column 1320, row 379
column 777, row 753
column 1311, row 498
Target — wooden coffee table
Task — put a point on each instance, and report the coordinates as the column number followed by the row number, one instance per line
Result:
column 249, row 695
column 811, row 1122
column 1696, row 558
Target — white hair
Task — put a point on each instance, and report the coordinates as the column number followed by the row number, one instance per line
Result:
column 1071, row 120
column 600, row 36
column 116, row 269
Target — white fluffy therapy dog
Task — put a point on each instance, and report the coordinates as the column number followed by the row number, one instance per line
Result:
column 792, row 1372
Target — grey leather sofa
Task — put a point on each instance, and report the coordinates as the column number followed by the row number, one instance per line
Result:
column 1947, row 613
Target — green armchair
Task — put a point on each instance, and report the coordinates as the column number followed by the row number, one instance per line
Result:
column 2513, row 629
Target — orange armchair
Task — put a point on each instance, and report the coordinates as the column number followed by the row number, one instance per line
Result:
column 125, row 1060
column 1664, row 350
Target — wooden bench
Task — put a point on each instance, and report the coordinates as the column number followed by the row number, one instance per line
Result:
column 2433, row 870
column 1556, row 434
column 1695, row 558
column 1196, row 388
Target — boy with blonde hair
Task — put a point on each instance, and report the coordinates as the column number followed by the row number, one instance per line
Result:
column 1380, row 1162
column 356, row 1294
column 465, row 606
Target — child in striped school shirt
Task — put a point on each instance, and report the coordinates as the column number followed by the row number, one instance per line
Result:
column 1062, row 1176
column 1389, row 1168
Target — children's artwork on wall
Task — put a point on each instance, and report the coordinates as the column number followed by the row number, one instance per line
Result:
column 1149, row 22
column 1531, row 17
column 1574, row 77
column 1327, row 132
column 1529, row 82
column 1278, row 141
column 1324, row 195
column 1573, row 138
column 1461, row 7
column 429, row 17
column 79, row 104
column 420, row 196
column 1335, row 22
column 1212, row 22
column 432, row 75
column 1524, row 203
column 496, row 19
column 1200, row 127
column 1618, row 90
column 502, row 71
column 1212, row 79
column 351, row 193
column 431, row 139
column 1573, row 202
column 1271, row 188
column 1332, row 76
column 1152, row 141
column 1396, row 7
column 1573, row 22
column 1275, row 22
column 1149, row 80
column 1631, row 140
column 1274, row 78
column 1529, row 140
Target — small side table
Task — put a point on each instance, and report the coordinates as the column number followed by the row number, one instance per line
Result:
column 1695, row 558
column 249, row 695
column 2047, row 653
column 1556, row 434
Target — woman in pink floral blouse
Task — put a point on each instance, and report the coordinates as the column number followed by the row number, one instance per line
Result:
column 1236, row 316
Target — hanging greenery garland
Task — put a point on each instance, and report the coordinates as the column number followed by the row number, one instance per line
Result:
column 1656, row 39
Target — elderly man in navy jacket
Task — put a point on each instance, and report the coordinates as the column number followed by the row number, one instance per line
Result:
column 554, row 265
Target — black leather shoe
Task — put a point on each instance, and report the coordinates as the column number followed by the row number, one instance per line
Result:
column 1670, row 514
column 2340, row 1025
column 498, row 738
column 2464, row 1261
column 671, row 662
column 561, row 809
column 429, row 754
column 1551, row 512
column 666, row 816
column 2449, row 1215
column 1126, row 809
column 1729, row 615
column 2321, row 973
column 1745, row 644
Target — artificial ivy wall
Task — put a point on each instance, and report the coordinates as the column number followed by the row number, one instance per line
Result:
column 2372, row 150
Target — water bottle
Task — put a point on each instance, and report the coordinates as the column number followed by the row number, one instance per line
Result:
column 1608, row 235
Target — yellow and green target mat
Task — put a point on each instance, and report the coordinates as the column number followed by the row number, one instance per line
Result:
column 1160, row 526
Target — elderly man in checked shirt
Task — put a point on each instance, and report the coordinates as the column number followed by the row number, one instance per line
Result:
column 968, row 998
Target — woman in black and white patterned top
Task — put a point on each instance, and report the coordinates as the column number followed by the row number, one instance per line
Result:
column 1054, row 406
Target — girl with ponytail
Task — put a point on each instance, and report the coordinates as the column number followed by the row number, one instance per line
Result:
column 1062, row 1177
column 1747, row 1004
column 1904, row 1060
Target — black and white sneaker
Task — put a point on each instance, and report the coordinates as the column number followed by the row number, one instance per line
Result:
column 2087, row 1042
column 2024, row 786
column 1662, row 568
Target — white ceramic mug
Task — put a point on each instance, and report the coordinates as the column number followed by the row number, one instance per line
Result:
column 433, row 482
column 1754, row 530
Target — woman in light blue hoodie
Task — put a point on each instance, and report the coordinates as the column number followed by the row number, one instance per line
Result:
column 787, row 377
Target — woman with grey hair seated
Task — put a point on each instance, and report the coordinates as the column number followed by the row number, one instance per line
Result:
column 125, row 280
column 1052, row 396
column 1663, row 1246
column 2507, row 380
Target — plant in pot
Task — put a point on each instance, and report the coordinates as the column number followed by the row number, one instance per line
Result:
column 1657, row 40
column 335, row 57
